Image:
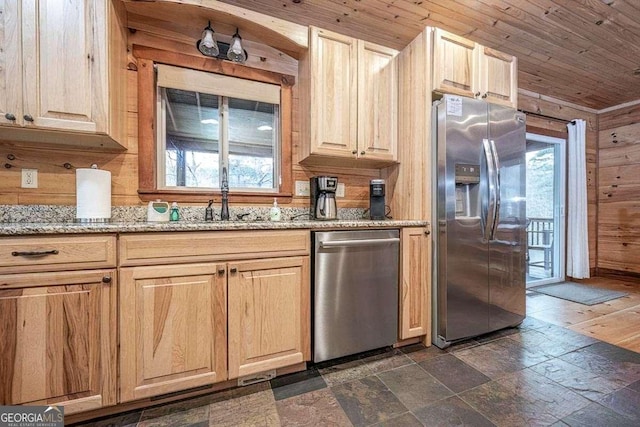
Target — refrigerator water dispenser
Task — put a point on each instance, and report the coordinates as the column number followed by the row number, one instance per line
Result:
column 467, row 189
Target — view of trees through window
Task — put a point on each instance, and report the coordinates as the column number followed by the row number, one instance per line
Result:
column 204, row 132
column 540, row 182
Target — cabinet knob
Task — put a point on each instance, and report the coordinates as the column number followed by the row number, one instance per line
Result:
column 362, row 153
column 28, row 118
column 106, row 279
column 354, row 152
column 233, row 270
column 427, row 232
column 477, row 94
column 484, row 95
column 10, row 116
column 221, row 271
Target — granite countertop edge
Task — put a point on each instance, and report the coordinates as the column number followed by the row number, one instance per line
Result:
column 18, row 229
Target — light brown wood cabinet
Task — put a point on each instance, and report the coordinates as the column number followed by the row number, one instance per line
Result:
column 58, row 329
column 65, row 71
column 348, row 94
column 415, row 284
column 268, row 314
column 173, row 328
column 463, row 67
column 240, row 310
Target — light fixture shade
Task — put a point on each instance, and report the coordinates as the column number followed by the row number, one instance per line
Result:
column 208, row 45
column 236, row 52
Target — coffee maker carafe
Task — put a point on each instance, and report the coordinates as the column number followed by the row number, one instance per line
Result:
column 323, row 197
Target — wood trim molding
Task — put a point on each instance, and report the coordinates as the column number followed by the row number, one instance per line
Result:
column 147, row 183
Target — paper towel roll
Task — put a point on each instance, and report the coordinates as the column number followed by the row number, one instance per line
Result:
column 93, row 195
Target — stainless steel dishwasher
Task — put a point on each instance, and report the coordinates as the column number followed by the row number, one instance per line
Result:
column 355, row 293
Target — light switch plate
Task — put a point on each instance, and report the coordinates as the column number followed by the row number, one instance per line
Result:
column 340, row 190
column 29, row 178
column 302, row 188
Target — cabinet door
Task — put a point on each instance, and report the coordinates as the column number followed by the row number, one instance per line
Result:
column 454, row 64
column 498, row 77
column 172, row 328
column 268, row 314
column 10, row 63
column 58, row 339
column 64, row 57
column 333, row 93
column 415, row 274
column 377, row 102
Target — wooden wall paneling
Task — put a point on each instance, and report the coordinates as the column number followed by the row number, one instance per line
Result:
column 619, row 190
column 356, row 183
column 270, row 30
column 57, row 183
column 619, row 117
column 259, row 56
column 146, row 106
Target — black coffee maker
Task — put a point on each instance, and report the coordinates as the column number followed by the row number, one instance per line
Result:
column 323, row 197
column 376, row 199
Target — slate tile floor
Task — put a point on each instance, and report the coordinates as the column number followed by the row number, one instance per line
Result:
column 538, row 374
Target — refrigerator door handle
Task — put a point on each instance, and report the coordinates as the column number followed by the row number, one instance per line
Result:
column 496, row 174
column 491, row 180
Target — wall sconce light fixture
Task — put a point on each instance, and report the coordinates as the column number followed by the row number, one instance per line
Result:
column 236, row 52
column 207, row 45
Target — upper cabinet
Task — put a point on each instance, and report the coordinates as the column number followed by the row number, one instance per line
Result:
column 465, row 68
column 348, row 94
column 65, row 71
column 498, row 77
column 454, row 64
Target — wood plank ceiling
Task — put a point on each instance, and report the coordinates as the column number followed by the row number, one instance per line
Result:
column 586, row 52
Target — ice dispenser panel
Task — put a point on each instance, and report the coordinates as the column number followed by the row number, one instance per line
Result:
column 467, row 189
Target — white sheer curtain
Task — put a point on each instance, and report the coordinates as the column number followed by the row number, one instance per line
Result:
column 577, row 218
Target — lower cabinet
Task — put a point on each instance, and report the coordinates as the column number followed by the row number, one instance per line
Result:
column 415, row 284
column 58, row 339
column 268, row 314
column 174, row 320
column 173, row 328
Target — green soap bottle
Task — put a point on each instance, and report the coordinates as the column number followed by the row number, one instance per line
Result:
column 174, row 215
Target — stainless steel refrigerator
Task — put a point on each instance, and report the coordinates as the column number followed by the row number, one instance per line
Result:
column 480, row 222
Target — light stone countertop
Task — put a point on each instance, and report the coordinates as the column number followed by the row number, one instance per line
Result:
column 23, row 228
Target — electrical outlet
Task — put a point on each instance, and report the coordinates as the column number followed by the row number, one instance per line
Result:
column 29, row 178
column 302, row 188
column 340, row 190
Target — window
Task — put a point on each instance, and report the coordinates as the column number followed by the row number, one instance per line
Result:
column 207, row 122
column 194, row 124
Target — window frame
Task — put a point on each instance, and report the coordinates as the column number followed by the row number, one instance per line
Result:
column 147, row 134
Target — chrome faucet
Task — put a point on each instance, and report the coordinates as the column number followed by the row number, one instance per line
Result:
column 224, row 212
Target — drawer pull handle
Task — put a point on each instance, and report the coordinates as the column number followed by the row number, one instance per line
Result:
column 106, row 279
column 35, row 253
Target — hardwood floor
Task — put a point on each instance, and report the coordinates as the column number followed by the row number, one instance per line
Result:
column 616, row 322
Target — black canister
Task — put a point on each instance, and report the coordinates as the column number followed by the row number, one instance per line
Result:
column 376, row 199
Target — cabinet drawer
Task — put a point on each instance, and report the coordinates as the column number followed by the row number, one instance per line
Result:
column 174, row 248
column 45, row 253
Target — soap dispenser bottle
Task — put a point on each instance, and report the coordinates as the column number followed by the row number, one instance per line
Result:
column 175, row 214
column 274, row 213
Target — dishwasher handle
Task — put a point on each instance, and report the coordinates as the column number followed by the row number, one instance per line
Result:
column 360, row 242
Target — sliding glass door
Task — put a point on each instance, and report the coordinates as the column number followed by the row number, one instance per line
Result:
column 546, row 175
